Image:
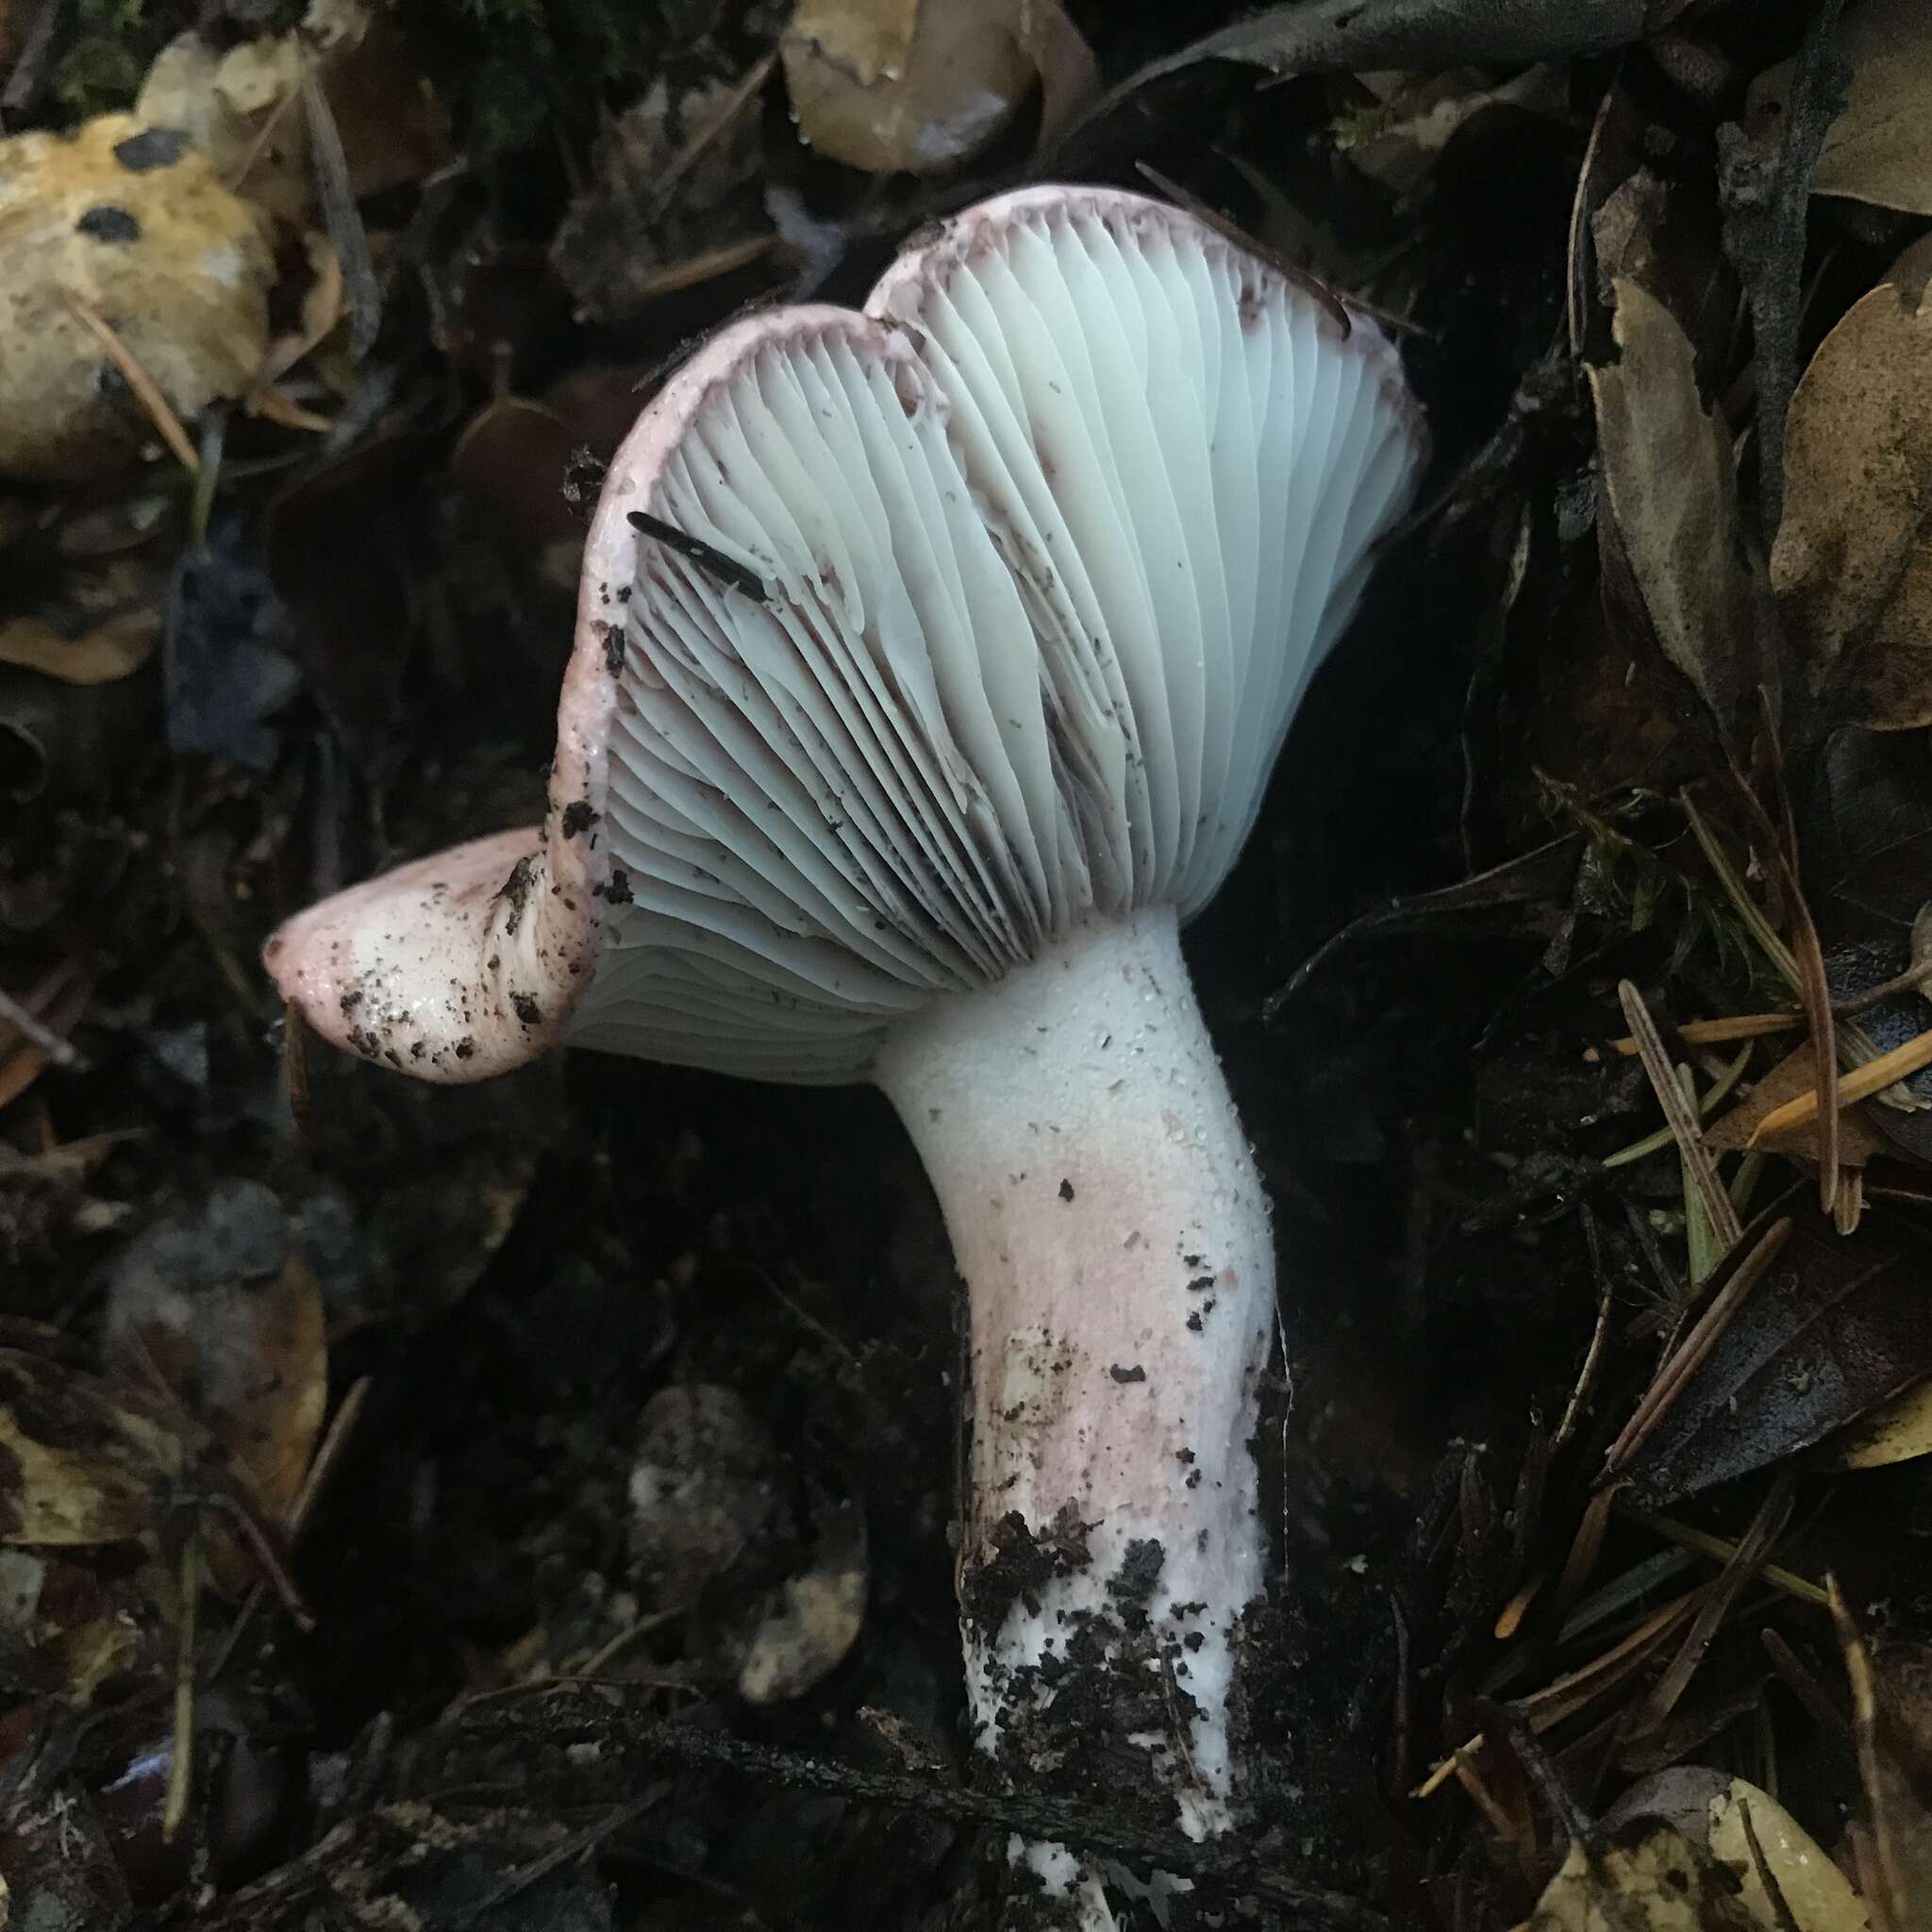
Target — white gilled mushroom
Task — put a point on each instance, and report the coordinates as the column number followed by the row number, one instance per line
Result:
column 930, row 664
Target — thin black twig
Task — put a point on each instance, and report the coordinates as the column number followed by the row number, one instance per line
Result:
column 695, row 550
column 599, row 1709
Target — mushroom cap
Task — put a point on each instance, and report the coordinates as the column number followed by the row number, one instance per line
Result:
column 1051, row 537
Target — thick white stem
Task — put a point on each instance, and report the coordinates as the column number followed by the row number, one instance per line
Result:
column 1107, row 1216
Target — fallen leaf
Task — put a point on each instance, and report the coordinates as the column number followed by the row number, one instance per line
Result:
column 1351, row 37
column 1427, row 33
column 1889, row 1723
column 81, row 1463
column 1852, row 566
column 1671, row 493
column 704, row 1490
column 1897, row 1431
column 227, row 672
column 1835, row 1327
column 1710, row 1807
column 1910, row 271
column 240, row 103
column 1879, row 148
column 1399, row 139
column 811, row 1621
column 1793, row 1077
column 1645, row 1877
column 243, row 1353
column 904, row 86
column 112, row 650
column 674, row 197
column 1069, row 73
column 127, row 217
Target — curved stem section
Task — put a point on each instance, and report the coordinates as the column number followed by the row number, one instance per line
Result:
column 1107, row 1216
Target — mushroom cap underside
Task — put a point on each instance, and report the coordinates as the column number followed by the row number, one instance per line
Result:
column 972, row 616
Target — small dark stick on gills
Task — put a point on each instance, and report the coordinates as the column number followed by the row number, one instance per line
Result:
column 1049, row 542
column 726, row 567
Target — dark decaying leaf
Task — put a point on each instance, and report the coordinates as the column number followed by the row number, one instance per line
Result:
column 1835, row 1327
column 1766, row 191
column 1348, row 36
column 1426, row 33
column 1892, row 1723
column 80, row 1461
column 1537, row 879
column 352, row 630
column 222, row 1308
column 222, row 637
column 1671, row 493
column 56, row 1866
column 674, row 199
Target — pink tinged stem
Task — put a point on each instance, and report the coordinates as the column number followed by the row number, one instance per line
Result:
column 1108, row 1218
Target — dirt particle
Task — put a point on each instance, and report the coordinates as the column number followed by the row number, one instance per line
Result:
column 1134, row 1583
column 527, row 1011
column 1136, row 1374
column 516, row 890
column 1066, row 1190
column 1021, row 1562
column 577, row 817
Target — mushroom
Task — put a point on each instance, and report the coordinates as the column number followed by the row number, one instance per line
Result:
column 930, row 664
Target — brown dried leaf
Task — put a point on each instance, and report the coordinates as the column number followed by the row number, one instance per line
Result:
column 1671, row 498
column 1851, row 565
column 1793, row 1076
column 1648, row 1878
column 1879, row 149
column 108, row 651
column 1069, row 73
column 241, row 103
column 904, row 86
column 1893, row 1839
column 79, row 1464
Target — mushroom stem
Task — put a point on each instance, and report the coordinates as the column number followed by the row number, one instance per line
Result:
column 1107, row 1216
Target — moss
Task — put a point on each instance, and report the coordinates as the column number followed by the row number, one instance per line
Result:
column 105, row 54
column 526, row 72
